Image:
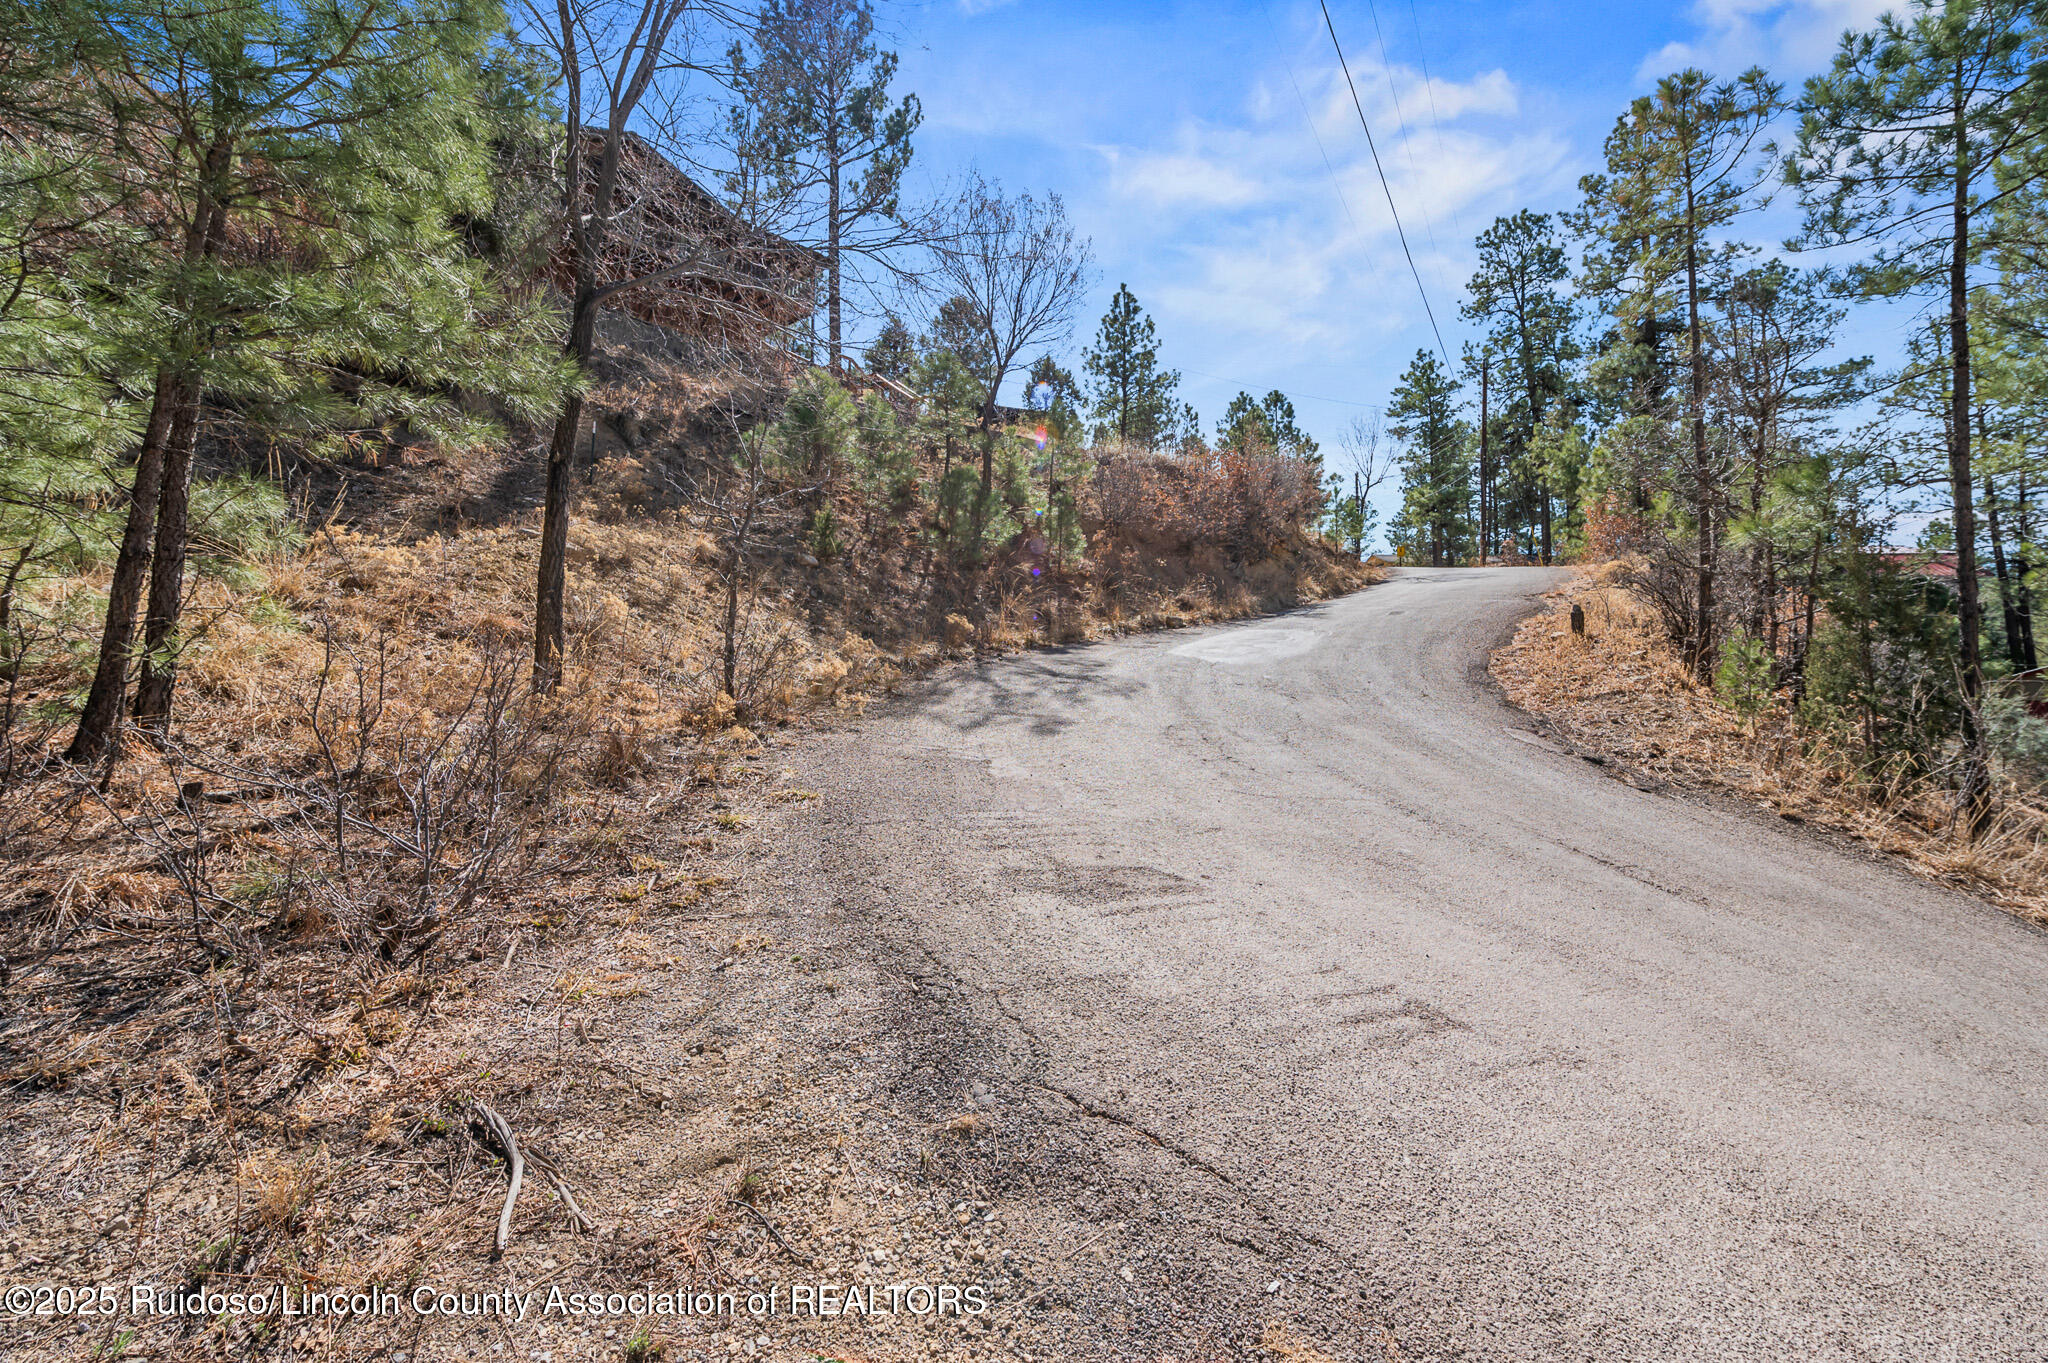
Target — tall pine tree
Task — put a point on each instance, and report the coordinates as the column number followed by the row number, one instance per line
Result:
column 1132, row 397
column 816, row 119
column 1516, row 293
column 1902, row 146
column 1436, row 473
column 1681, row 167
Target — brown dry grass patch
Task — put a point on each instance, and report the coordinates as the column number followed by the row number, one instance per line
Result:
column 1621, row 691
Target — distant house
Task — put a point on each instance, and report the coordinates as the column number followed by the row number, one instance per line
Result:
column 1923, row 563
column 862, row 381
column 713, row 275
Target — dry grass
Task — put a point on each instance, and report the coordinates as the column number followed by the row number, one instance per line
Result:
column 231, row 1054
column 1621, row 691
column 226, row 1060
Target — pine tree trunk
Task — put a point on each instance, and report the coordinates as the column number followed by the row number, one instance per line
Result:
column 173, row 532
column 1703, row 629
column 1770, row 595
column 175, row 396
column 2008, row 609
column 832, row 202
column 1800, row 659
column 1485, row 466
column 2020, row 568
column 159, row 673
column 1763, row 613
column 1540, row 484
column 1973, row 795
column 102, row 714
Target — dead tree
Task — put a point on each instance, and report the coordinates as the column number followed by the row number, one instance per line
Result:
column 1022, row 269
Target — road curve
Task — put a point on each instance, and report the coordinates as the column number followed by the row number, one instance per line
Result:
column 1571, row 1070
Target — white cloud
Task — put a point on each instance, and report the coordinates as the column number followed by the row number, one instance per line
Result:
column 1281, row 256
column 1274, row 158
column 972, row 7
column 1789, row 36
column 1181, row 179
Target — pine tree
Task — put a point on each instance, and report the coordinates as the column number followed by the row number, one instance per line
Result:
column 946, row 424
column 1515, row 291
column 65, row 420
column 1772, row 325
column 892, row 352
column 308, row 166
column 1681, row 167
column 1243, row 424
column 1133, row 396
column 958, row 330
column 816, row 117
column 1436, row 474
column 1898, row 144
column 1269, row 423
column 1062, row 459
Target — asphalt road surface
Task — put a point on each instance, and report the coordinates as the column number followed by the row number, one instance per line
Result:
column 1568, row 1069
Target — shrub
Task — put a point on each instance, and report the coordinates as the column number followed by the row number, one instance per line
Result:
column 1743, row 678
column 1882, row 665
column 2019, row 737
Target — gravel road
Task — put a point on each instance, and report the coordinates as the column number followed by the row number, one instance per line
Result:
column 1555, row 1067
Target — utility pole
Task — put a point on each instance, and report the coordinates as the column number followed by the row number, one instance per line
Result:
column 1485, row 467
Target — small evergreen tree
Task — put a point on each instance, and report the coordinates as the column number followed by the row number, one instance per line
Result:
column 1269, row 422
column 892, row 352
column 957, row 329
column 1436, row 475
column 1133, row 398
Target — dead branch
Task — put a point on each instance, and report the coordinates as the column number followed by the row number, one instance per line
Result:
column 547, row 1166
column 760, row 1216
column 501, row 1131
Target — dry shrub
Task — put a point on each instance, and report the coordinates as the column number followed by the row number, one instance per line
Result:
column 854, row 666
column 1613, row 534
column 399, row 818
column 1252, row 501
column 598, row 619
column 622, row 755
column 277, row 1192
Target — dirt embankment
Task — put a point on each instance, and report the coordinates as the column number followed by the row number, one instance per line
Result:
column 257, row 983
column 1620, row 693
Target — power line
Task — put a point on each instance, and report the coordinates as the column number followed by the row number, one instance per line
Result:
column 1407, row 141
column 1400, row 118
column 1400, row 231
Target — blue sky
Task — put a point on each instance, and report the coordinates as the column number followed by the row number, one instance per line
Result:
column 1212, row 154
